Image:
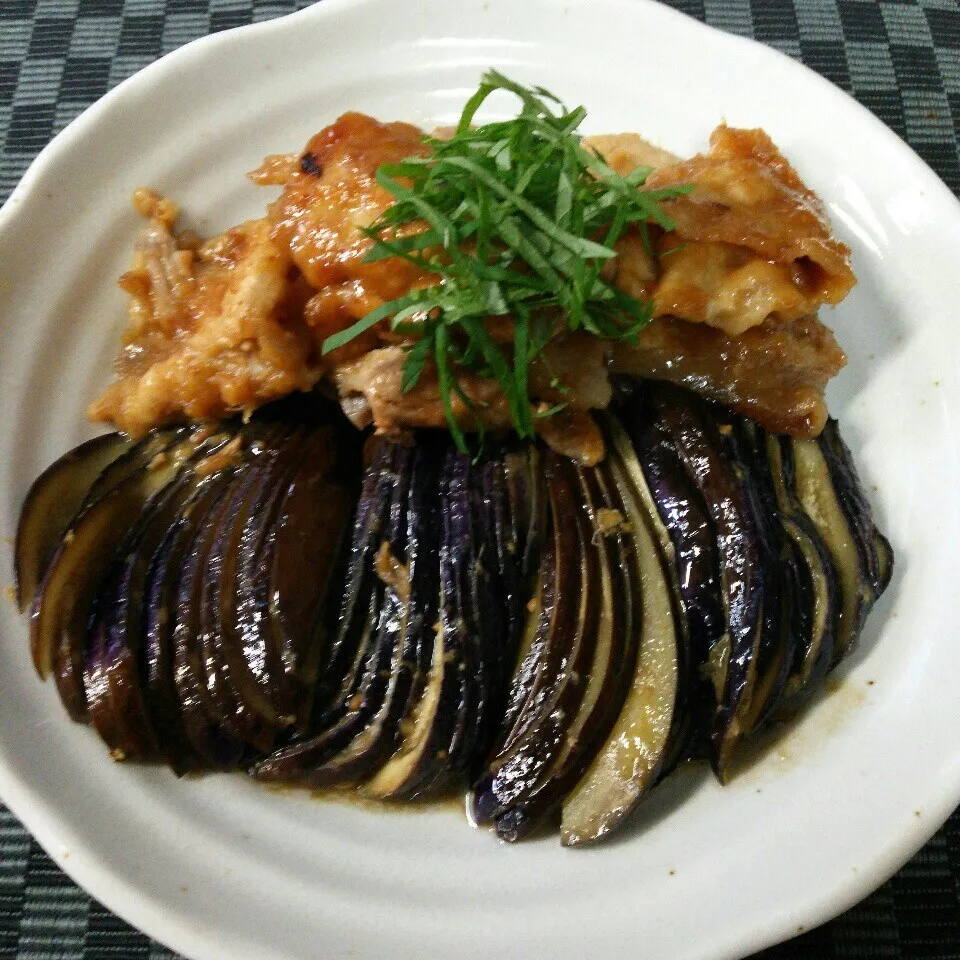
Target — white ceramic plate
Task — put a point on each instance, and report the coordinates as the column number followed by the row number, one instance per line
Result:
column 222, row 868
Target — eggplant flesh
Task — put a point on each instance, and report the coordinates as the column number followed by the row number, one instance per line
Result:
column 743, row 563
column 50, row 505
column 111, row 609
column 555, row 637
column 353, row 734
column 627, row 764
column 564, row 649
column 608, row 674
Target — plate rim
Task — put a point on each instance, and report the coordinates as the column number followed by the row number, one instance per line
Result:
column 121, row 893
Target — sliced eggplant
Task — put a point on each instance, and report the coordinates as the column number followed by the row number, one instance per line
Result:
column 411, row 766
column 312, row 521
column 498, row 587
column 872, row 544
column 483, row 522
column 563, row 651
column 206, row 720
column 354, row 630
column 472, row 606
column 608, row 676
column 116, row 701
column 254, row 680
column 205, row 744
column 52, row 502
column 119, row 710
column 63, row 602
column 742, row 555
column 217, row 663
column 852, row 557
column 380, row 665
column 820, row 594
column 538, row 573
column 246, row 592
column 786, row 621
column 407, row 563
column 555, row 635
column 686, row 517
column 690, row 710
column 629, row 761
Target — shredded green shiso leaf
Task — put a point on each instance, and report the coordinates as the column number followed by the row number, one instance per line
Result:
column 517, row 219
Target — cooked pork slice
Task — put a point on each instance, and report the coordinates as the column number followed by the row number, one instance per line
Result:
column 233, row 322
column 330, row 194
column 751, row 242
column 574, row 374
column 627, row 151
column 215, row 327
column 774, row 374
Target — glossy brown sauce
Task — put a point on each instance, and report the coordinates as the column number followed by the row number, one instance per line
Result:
column 352, row 795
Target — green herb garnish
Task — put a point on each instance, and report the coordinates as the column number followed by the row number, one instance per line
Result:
column 516, row 219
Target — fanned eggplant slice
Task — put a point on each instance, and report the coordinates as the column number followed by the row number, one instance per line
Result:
column 345, row 658
column 872, row 544
column 411, row 767
column 688, row 711
column 227, row 653
column 742, row 553
column 216, row 669
column 786, row 620
column 118, row 705
column 557, row 636
column 406, row 563
column 798, row 626
column 147, row 452
column 551, row 681
column 629, row 761
column 50, row 505
column 246, row 591
column 116, row 691
column 303, row 547
column 64, row 600
column 820, row 596
column 207, row 725
column 480, row 523
column 410, row 770
column 861, row 556
column 692, row 552
column 188, row 738
column 379, row 666
column 609, row 673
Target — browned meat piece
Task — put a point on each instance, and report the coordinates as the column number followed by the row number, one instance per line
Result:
column 214, row 328
column 627, row 151
column 752, row 243
column 774, row 374
column 331, row 193
column 370, row 391
column 238, row 320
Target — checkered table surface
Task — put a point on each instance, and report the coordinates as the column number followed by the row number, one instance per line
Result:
column 900, row 58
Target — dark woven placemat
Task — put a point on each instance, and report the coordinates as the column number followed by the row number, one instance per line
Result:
column 899, row 58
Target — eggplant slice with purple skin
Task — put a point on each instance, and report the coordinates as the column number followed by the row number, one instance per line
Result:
column 52, row 502
column 743, row 553
column 115, row 604
column 64, row 601
column 629, row 761
column 438, row 590
column 114, row 689
column 361, row 655
column 559, row 660
column 415, row 621
column 505, row 526
column 608, row 674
